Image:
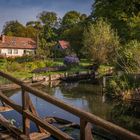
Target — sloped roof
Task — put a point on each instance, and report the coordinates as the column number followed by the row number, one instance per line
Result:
column 64, row 44
column 17, row 42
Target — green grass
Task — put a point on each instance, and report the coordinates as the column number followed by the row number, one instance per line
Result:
column 23, row 70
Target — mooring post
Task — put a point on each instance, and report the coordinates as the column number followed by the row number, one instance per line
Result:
column 25, row 106
column 103, row 84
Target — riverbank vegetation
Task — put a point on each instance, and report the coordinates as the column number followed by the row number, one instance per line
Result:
column 109, row 36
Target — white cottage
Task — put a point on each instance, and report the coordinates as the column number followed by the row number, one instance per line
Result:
column 16, row 46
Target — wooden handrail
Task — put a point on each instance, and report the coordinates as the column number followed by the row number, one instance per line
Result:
column 83, row 115
column 28, row 115
column 9, row 102
column 50, row 128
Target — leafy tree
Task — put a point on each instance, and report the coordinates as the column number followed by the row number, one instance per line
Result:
column 31, row 32
column 14, row 28
column 47, row 34
column 35, row 24
column 71, row 18
column 74, row 35
column 49, row 21
column 118, row 13
column 48, row 18
column 100, row 42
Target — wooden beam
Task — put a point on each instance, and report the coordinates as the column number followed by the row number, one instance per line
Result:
column 5, row 108
column 39, row 136
column 34, row 112
column 88, row 132
column 83, row 124
column 16, row 132
column 25, row 106
column 9, row 102
column 50, row 128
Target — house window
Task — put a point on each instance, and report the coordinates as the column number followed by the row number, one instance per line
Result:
column 16, row 51
column 9, row 51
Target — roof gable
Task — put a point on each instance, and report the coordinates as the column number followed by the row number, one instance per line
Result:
column 64, row 44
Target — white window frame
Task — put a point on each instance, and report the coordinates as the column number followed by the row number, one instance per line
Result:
column 15, row 51
column 9, row 51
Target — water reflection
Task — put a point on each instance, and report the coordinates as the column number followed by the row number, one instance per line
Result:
column 85, row 96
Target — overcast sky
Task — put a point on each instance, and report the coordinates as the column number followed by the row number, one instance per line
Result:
column 27, row 10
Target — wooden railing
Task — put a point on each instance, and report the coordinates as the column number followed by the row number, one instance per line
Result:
column 85, row 117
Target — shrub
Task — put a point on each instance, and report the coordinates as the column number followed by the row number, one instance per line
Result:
column 14, row 66
column 21, row 59
column 25, row 58
column 100, row 42
column 128, row 57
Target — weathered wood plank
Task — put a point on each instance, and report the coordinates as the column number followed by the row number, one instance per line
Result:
column 15, row 132
column 33, row 110
column 88, row 132
column 9, row 102
column 25, row 106
column 83, row 124
column 6, row 136
column 5, row 108
column 50, row 128
column 39, row 136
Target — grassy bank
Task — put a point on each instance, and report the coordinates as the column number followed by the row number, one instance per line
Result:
column 23, row 70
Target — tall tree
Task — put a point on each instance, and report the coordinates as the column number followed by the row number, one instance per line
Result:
column 74, row 35
column 48, row 18
column 47, row 35
column 71, row 18
column 14, row 28
column 118, row 13
column 35, row 24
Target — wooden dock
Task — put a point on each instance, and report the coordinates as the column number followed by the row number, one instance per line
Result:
column 78, row 76
column 29, row 113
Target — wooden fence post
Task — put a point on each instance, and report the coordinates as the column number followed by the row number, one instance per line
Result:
column 83, row 124
column 85, row 130
column 25, row 106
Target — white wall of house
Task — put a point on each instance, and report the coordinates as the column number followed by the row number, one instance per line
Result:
column 15, row 52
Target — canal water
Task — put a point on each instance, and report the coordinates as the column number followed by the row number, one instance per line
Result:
column 86, row 96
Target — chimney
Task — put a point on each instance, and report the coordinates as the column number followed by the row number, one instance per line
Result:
column 3, row 38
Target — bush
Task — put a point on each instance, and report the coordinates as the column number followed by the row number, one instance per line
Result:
column 22, row 59
column 128, row 57
column 71, row 61
column 100, row 42
column 14, row 66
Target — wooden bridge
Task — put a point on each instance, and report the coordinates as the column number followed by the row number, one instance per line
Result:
column 46, row 129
